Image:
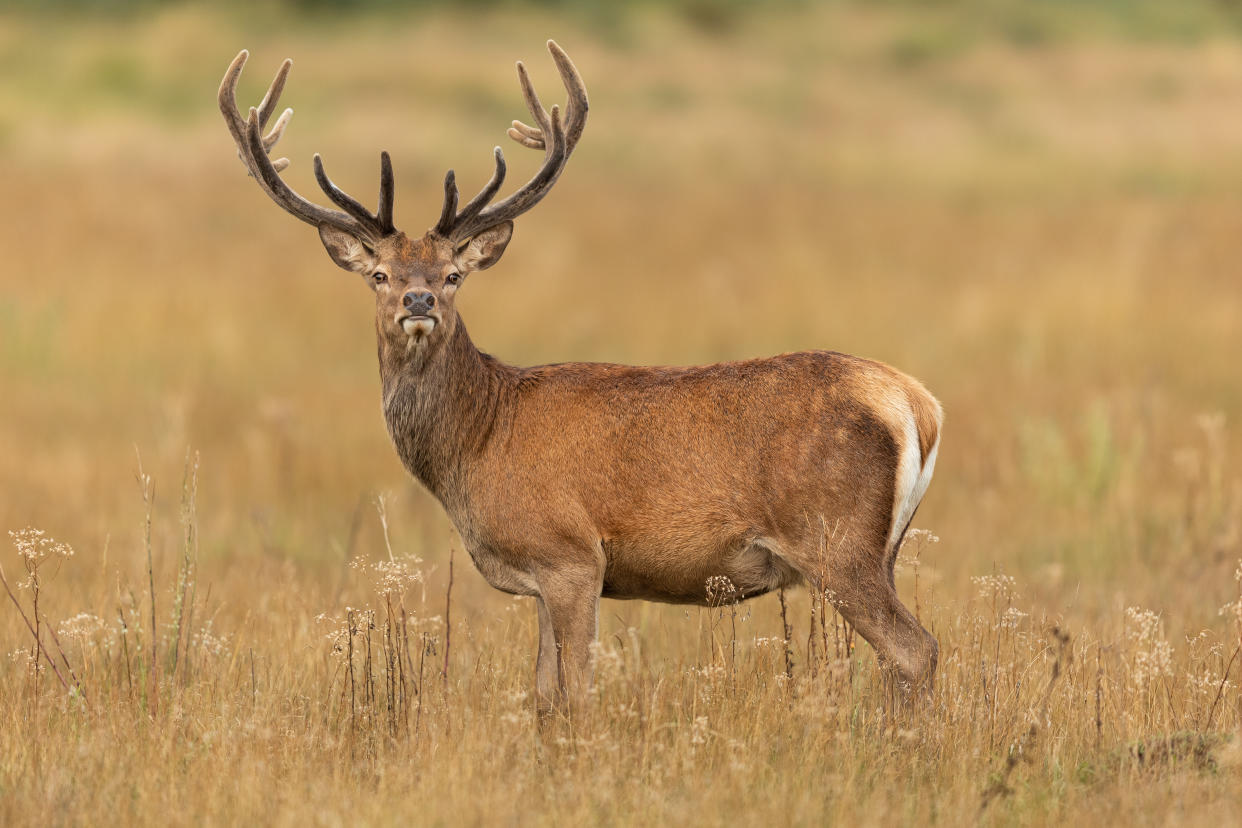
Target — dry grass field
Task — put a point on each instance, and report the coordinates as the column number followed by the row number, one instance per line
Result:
column 1040, row 217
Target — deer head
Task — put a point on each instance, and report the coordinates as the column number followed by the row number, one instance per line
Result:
column 415, row 280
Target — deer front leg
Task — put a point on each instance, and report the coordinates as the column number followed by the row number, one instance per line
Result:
column 568, row 604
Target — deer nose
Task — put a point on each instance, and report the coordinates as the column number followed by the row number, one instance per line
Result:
column 418, row 301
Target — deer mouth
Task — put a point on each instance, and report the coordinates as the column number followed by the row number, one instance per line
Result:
column 418, row 326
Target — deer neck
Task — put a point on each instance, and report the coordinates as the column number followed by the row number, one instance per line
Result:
column 442, row 407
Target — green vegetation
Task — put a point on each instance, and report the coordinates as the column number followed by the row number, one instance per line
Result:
column 928, row 27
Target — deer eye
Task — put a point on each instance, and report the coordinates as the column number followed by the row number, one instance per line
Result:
column 452, row 279
column 379, row 277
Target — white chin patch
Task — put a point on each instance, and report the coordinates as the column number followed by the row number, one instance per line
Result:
column 419, row 327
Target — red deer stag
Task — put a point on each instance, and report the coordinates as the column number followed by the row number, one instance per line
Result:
column 575, row 481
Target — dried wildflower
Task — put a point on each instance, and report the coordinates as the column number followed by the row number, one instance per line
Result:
column 699, row 731
column 1152, row 654
column 81, row 626
column 721, row 591
column 396, row 576
column 1234, row 607
column 209, row 643
column 34, row 545
column 834, row 600
column 609, row 664
column 709, row 672
column 992, row 587
column 1012, row 617
column 921, row 536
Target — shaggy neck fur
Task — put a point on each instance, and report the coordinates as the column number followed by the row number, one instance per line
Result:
column 442, row 402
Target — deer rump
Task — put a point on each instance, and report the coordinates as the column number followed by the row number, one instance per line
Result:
column 768, row 472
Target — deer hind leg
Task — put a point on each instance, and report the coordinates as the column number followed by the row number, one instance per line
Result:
column 907, row 652
column 906, row 649
column 856, row 581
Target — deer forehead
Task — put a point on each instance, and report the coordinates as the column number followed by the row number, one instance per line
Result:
column 426, row 256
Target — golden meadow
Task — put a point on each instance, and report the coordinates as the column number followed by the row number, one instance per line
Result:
column 1036, row 212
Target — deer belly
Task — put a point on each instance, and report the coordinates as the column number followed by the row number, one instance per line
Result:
column 700, row 576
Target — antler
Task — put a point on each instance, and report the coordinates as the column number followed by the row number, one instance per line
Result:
column 254, row 149
column 477, row 215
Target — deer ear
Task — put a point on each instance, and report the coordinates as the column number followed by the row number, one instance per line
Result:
column 483, row 249
column 346, row 250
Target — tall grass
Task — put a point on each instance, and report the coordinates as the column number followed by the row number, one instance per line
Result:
column 345, row 714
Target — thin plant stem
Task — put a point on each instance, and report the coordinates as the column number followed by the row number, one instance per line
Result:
column 448, row 624
column 148, row 500
column 786, row 634
column 29, row 626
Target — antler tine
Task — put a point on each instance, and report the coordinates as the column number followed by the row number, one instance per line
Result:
column 527, row 136
column 477, row 216
column 384, row 213
column 529, row 194
column 283, row 195
column 576, row 104
column 237, row 126
column 253, row 149
column 532, row 99
column 347, row 202
column 268, row 105
column 488, row 192
column 448, row 213
column 278, row 132
column 575, row 108
column 227, row 99
column 450, row 218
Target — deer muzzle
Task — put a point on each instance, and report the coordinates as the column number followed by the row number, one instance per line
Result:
column 418, row 326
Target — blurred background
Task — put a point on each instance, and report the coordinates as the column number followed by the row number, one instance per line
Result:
column 1032, row 207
